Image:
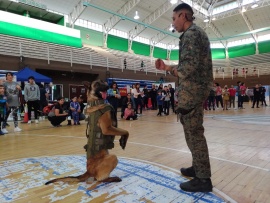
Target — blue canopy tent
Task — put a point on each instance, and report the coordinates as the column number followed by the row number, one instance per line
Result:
column 23, row 75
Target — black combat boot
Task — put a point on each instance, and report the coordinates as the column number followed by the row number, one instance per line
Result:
column 190, row 172
column 69, row 122
column 197, row 185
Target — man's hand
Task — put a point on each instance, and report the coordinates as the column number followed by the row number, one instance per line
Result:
column 123, row 141
column 160, row 65
column 18, row 87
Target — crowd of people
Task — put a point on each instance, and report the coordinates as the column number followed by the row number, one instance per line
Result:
column 226, row 97
column 67, row 110
column 35, row 97
column 137, row 100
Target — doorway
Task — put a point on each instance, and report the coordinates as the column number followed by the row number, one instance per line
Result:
column 55, row 91
column 76, row 91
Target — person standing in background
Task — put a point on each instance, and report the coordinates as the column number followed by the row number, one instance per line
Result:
column 12, row 91
column 243, row 94
column 166, row 102
column 3, row 106
column 160, row 99
column 32, row 97
column 82, row 105
column 211, row 98
column 137, row 98
column 232, row 92
column 238, row 90
column 142, row 66
column 263, row 91
column 113, row 95
column 226, row 97
column 250, row 94
column 75, row 109
column 218, row 95
column 257, row 96
column 153, row 96
column 171, row 89
column 43, row 98
column 146, row 96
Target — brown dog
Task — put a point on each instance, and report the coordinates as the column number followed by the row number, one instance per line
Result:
column 101, row 130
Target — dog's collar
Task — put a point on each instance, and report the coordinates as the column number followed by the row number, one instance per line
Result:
column 96, row 102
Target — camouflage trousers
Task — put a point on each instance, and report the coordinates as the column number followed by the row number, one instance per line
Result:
column 194, row 133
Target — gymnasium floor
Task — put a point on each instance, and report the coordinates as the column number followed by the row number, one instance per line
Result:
column 238, row 142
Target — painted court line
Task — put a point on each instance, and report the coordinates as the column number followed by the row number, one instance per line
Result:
column 223, row 195
column 166, row 148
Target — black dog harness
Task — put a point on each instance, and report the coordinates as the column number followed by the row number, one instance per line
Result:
column 96, row 140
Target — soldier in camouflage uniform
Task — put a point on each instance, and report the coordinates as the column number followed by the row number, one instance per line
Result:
column 195, row 79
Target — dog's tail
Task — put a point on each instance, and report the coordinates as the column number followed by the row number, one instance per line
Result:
column 67, row 179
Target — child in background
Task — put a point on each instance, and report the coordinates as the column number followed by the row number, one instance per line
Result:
column 129, row 113
column 75, row 109
column 160, row 99
column 226, row 97
column 3, row 106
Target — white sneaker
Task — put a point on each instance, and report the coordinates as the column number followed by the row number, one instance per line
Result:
column 17, row 129
column 36, row 121
column 29, row 122
column 4, row 130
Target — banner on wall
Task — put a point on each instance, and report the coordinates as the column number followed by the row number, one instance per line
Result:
column 123, row 91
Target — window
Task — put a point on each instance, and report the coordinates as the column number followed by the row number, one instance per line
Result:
column 264, row 37
column 241, row 42
column 216, row 45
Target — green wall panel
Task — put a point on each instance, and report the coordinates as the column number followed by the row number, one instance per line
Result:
column 140, row 48
column 160, row 53
column 174, row 55
column 90, row 37
column 40, row 35
column 118, row 43
column 218, row 53
column 61, row 21
column 264, row 47
column 243, row 50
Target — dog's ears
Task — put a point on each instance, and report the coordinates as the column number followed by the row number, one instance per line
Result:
column 86, row 84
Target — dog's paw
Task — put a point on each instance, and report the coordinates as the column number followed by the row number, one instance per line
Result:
column 123, row 142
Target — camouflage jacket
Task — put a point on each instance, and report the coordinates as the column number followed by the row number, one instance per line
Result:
column 195, row 76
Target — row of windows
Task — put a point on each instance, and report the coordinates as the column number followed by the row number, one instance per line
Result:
column 231, row 6
column 119, row 33
column 242, row 41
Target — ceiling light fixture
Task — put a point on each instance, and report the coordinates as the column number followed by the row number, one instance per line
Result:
column 254, row 5
column 206, row 20
column 173, row 1
column 136, row 15
column 214, row 18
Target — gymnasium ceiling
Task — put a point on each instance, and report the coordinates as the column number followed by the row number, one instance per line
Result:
column 227, row 24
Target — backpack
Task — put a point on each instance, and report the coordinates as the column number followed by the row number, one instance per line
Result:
column 47, row 109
